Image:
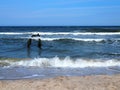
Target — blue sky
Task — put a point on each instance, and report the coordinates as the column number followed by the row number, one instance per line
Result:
column 59, row 12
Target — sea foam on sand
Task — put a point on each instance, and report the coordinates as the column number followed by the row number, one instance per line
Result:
column 98, row 82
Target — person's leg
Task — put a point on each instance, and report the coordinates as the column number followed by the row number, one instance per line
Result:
column 39, row 43
column 29, row 43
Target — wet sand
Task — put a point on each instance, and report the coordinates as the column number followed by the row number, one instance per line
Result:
column 98, row 82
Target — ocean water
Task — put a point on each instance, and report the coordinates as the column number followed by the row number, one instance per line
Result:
column 65, row 51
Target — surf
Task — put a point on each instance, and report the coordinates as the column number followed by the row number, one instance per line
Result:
column 57, row 62
column 61, row 33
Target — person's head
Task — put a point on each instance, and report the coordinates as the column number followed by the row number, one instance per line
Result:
column 38, row 34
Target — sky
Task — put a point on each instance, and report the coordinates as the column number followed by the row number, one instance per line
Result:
column 59, row 12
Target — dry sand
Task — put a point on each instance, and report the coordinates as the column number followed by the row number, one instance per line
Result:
column 100, row 82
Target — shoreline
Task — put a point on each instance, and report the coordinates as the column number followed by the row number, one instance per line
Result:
column 94, row 82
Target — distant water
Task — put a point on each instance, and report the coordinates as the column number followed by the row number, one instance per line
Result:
column 66, row 50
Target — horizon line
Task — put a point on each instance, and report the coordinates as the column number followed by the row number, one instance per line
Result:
column 53, row 25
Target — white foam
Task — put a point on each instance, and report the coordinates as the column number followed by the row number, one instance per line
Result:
column 77, row 33
column 97, row 40
column 66, row 62
column 62, row 33
column 77, row 39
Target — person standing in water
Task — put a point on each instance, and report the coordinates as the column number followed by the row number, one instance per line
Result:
column 30, row 40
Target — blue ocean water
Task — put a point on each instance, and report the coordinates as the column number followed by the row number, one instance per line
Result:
column 65, row 50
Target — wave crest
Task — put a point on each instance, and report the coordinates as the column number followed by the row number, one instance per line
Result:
column 66, row 62
column 61, row 33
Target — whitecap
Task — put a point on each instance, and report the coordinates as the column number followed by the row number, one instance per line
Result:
column 66, row 62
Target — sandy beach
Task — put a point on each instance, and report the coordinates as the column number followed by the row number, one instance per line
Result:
column 98, row 82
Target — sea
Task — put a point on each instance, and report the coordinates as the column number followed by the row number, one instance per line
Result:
column 65, row 51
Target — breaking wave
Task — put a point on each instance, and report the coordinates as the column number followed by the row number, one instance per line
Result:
column 62, row 63
column 78, row 39
column 61, row 33
column 53, row 36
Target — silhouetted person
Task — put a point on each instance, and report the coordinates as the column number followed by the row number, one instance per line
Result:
column 39, row 43
column 30, row 40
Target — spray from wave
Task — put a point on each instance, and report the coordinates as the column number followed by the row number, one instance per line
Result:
column 62, row 63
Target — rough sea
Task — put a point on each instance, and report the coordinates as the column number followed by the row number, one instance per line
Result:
column 65, row 51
